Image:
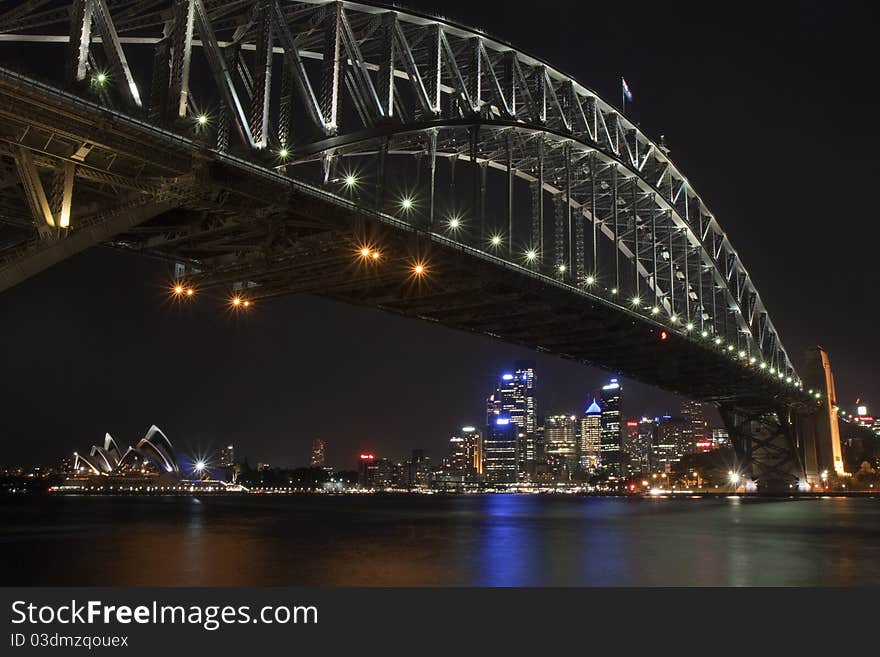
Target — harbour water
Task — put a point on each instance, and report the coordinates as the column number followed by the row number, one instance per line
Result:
column 437, row 540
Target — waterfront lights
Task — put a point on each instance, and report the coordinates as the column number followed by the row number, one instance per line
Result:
column 495, row 240
column 733, row 477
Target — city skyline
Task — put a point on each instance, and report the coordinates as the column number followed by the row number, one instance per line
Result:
column 113, row 306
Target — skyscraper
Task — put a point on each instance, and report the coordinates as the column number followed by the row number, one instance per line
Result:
column 637, row 435
column 561, row 443
column 227, row 456
column 500, row 450
column 590, row 438
column 670, row 441
column 317, row 460
column 696, row 428
column 473, row 442
column 611, row 434
column 514, row 398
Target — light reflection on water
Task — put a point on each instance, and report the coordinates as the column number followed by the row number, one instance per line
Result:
column 488, row 540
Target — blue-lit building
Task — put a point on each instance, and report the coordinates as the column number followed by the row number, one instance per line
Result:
column 514, row 397
column 609, row 453
column 590, row 438
column 500, row 450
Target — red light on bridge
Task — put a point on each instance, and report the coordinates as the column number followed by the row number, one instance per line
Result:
column 664, row 335
column 367, row 457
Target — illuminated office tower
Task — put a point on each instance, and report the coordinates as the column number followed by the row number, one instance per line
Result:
column 317, row 460
column 590, row 438
column 610, row 400
column 514, row 398
column 561, row 443
column 227, row 456
column 473, row 449
column 670, row 443
column 500, row 450
column 696, row 438
column 637, row 435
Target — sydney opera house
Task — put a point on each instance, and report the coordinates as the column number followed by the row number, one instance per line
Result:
column 153, row 455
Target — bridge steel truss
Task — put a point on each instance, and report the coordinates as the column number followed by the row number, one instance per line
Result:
column 349, row 98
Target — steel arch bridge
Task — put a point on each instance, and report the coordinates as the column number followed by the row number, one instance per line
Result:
column 260, row 145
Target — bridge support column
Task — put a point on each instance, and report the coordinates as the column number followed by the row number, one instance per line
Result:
column 819, row 431
column 764, row 440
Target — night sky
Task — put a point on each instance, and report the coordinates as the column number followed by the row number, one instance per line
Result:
column 769, row 109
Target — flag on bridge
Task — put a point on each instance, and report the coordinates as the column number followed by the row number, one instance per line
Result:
column 624, row 87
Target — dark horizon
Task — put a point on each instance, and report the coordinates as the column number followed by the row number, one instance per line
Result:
column 762, row 108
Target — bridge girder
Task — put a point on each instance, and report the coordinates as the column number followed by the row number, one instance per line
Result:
column 466, row 127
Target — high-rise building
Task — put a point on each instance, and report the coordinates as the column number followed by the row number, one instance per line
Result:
column 227, row 456
column 610, row 400
column 420, row 469
column 367, row 469
column 473, row 448
column 317, row 460
column 637, row 436
column 696, row 428
column 670, row 442
column 590, row 438
column 514, row 397
column 500, row 450
column 561, row 443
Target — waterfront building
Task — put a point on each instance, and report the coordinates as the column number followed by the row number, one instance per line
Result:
column 610, row 401
column 514, row 398
column 670, row 443
column 367, row 469
column 590, row 438
column 696, row 428
column 637, row 438
column 153, row 452
column 561, row 444
column 420, row 469
column 317, row 458
column 227, row 456
column 466, row 453
column 500, row 451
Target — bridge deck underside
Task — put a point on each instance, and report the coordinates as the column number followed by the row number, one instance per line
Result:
column 239, row 222
column 312, row 248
